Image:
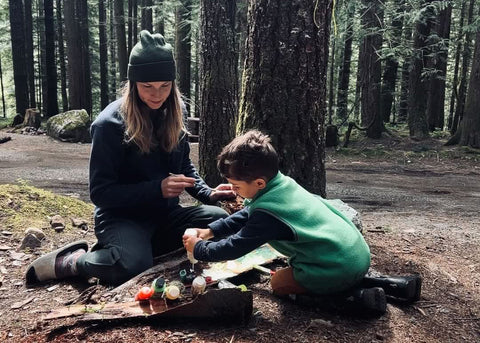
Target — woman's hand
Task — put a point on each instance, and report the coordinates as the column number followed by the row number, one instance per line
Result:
column 222, row 192
column 173, row 185
column 190, row 241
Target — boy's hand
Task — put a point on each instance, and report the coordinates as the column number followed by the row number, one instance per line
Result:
column 222, row 192
column 189, row 242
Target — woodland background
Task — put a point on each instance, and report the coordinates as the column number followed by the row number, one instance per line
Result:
column 302, row 71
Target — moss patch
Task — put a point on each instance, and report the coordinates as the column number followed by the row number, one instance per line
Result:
column 23, row 206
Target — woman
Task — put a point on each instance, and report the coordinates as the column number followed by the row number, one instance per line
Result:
column 139, row 165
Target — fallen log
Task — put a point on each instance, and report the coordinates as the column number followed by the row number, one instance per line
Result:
column 229, row 304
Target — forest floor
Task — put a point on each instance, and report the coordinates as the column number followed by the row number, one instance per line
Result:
column 419, row 203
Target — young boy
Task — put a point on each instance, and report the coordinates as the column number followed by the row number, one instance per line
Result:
column 327, row 254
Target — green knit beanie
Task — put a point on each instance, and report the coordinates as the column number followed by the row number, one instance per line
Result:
column 151, row 59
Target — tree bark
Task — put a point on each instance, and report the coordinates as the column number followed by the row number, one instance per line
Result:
column 119, row 14
column 160, row 17
column 417, row 117
column 284, row 83
column 370, row 69
column 103, row 48
column 147, row 19
column 17, row 29
column 30, row 66
column 471, row 120
column 113, row 49
column 51, row 97
column 403, row 102
column 183, row 47
column 76, row 27
column 466, row 59
column 218, row 83
column 61, row 57
column 391, row 64
column 436, row 93
column 344, row 73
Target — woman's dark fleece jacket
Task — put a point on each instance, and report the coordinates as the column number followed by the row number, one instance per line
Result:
column 126, row 183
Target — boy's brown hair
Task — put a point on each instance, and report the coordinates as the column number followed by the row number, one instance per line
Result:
column 249, row 157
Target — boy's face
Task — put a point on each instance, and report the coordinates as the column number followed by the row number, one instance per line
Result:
column 247, row 189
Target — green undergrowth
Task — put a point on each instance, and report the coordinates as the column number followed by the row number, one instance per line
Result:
column 23, row 206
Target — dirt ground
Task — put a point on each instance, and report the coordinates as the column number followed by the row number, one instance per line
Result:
column 419, row 204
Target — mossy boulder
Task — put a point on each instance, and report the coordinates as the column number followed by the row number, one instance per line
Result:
column 71, row 126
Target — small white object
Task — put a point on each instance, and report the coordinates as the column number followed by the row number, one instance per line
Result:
column 198, row 285
column 193, row 233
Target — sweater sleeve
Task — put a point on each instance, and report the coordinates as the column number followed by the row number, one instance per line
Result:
column 259, row 229
column 106, row 158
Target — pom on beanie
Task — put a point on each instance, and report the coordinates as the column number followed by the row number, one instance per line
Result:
column 151, row 59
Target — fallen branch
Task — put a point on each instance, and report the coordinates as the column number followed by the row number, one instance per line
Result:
column 5, row 139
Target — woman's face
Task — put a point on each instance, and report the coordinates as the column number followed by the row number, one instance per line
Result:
column 154, row 94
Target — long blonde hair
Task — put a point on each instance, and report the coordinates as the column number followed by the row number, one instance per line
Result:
column 139, row 127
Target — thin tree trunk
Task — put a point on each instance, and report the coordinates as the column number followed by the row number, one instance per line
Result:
column 103, row 48
column 417, row 117
column 113, row 59
column 147, row 19
column 370, row 69
column 330, row 81
column 4, row 110
column 119, row 21
column 129, row 27
column 43, row 56
column 218, row 83
column 61, row 57
column 51, row 102
column 466, row 59
column 183, row 47
column 404, row 82
column 160, row 17
column 471, row 120
column 135, row 22
column 29, row 52
column 458, row 53
column 344, row 73
column 17, row 29
column 285, row 68
column 436, row 92
column 391, row 64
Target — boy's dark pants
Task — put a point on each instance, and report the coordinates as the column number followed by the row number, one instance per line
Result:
column 126, row 247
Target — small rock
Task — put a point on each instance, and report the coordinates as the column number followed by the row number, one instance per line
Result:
column 7, row 233
column 30, row 242
column 37, row 232
column 5, row 248
column 80, row 223
column 57, row 223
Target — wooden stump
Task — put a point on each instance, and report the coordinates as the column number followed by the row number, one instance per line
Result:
column 32, row 118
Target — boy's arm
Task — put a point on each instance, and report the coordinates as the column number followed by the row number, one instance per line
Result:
column 230, row 225
column 259, row 229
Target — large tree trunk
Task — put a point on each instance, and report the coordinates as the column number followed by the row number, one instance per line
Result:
column 183, row 47
column 17, row 29
column 241, row 24
column 218, row 83
column 119, row 14
column 471, row 119
column 103, row 48
column 436, row 93
column 76, row 27
column 391, row 64
column 29, row 52
column 284, row 83
column 417, row 117
column 371, row 69
column 51, row 102
column 61, row 57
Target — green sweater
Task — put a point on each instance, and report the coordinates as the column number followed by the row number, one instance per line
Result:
column 328, row 254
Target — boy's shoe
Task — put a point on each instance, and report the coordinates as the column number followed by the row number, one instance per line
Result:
column 407, row 288
column 66, row 265
column 372, row 300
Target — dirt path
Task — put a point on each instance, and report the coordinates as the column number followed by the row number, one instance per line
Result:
column 420, row 215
